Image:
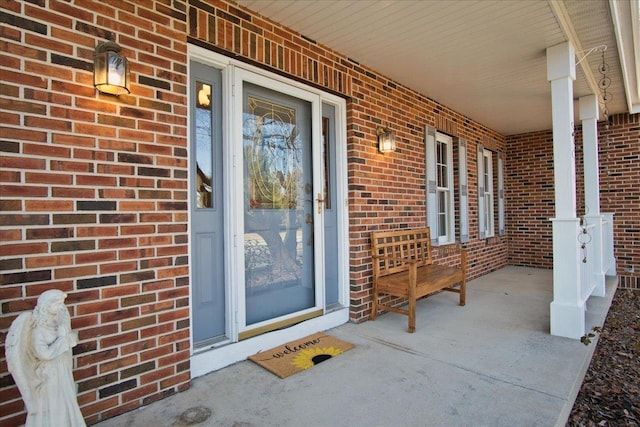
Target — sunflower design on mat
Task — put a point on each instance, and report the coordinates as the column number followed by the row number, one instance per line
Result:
column 313, row 356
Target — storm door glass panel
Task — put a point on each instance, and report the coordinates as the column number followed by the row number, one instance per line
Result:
column 327, row 166
column 278, row 203
column 331, row 260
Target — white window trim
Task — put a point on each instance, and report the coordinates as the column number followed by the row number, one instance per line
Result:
column 463, row 189
column 489, row 207
column 501, row 225
column 449, row 236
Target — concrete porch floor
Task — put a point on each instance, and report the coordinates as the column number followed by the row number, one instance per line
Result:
column 490, row 363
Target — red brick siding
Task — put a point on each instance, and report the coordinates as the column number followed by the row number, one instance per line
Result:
column 530, row 199
column 94, row 187
column 620, row 182
column 93, row 191
column 531, row 195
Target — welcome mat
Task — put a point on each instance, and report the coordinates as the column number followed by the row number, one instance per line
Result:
column 296, row 356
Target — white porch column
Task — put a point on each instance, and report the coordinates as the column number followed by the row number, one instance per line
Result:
column 589, row 118
column 567, row 308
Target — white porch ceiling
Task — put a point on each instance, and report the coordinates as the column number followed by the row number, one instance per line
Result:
column 485, row 59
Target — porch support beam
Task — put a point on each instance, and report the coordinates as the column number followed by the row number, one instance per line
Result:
column 568, row 308
column 589, row 117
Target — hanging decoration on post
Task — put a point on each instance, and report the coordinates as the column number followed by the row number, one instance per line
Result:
column 584, row 237
column 605, row 98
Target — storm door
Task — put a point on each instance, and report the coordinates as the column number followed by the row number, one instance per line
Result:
column 330, row 205
column 207, row 242
column 282, row 206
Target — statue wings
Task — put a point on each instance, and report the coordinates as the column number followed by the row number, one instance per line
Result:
column 20, row 360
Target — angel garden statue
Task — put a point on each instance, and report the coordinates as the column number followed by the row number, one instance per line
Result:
column 38, row 350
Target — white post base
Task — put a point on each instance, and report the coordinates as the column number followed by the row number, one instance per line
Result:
column 567, row 308
column 568, row 320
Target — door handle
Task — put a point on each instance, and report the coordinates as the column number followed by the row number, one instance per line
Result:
column 320, row 202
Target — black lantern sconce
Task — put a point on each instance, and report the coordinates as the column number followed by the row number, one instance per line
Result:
column 386, row 140
column 111, row 70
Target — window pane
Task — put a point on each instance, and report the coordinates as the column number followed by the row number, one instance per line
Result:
column 487, row 174
column 441, row 162
column 488, row 203
column 204, row 147
column 442, row 213
column 442, row 226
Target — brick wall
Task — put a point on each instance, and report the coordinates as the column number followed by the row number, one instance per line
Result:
column 93, row 194
column 531, row 195
column 94, row 187
column 620, row 182
column 94, row 197
column 530, row 199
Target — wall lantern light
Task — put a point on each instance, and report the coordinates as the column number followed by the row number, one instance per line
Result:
column 386, row 140
column 110, row 69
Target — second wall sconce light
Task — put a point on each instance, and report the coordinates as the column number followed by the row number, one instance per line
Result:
column 386, row 140
column 110, row 69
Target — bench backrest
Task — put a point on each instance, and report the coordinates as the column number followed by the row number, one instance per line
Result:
column 391, row 249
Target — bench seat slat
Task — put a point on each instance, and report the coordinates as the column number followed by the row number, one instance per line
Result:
column 430, row 278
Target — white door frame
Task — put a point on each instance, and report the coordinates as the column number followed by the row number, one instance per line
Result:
column 225, row 353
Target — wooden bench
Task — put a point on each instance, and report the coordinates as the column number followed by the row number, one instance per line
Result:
column 404, row 266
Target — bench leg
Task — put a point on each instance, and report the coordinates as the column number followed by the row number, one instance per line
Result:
column 412, row 315
column 374, row 306
column 463, row 292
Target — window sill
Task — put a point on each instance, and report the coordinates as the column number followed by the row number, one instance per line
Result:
column 451, row 242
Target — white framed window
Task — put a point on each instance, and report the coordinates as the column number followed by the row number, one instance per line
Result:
column 445, row 192
column 488, row 193
column 440, row 189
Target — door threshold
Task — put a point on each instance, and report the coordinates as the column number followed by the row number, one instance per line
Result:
column 211, row 344
column 204, row 362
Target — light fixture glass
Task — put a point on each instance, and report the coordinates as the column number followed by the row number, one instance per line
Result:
column 111, row 70
column 204, row 95
column 386, row 140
